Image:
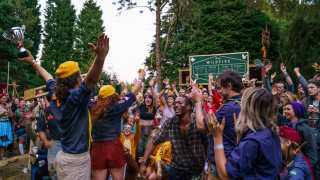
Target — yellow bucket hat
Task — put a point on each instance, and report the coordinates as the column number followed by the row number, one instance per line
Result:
column 67, row 68
column 106, row 91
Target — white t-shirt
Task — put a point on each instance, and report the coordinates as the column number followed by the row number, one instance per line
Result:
column 168, row 113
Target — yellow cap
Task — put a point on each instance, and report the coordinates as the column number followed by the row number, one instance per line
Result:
column 106, row 91
column 67, row 68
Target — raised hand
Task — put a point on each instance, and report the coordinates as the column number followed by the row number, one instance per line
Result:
column 152, row 82
column 174, row 85
column 28, row 59
column 101, row 48
column 210, row 76
column 195, row 94
column 283, row 68
column 268, row 67
column 218, row 128
column 142, row 74
column 297, row 71
column 273, row 75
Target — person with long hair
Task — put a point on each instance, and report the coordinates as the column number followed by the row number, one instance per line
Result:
column 6, row 133
column 70, row 97
column 258, row 152
column 148, row 112
column 107, row 151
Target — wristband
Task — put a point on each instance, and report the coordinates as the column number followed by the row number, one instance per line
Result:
column 218, row 146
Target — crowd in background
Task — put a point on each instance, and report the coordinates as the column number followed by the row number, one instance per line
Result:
column 234, row 128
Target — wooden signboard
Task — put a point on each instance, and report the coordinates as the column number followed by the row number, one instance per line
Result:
column 35, row 93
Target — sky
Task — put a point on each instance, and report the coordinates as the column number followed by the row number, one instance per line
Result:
column 131, row 34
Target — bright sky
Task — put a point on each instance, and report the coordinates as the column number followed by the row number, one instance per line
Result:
column 131, row 35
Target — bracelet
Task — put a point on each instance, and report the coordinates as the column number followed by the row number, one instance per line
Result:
column 218, row 146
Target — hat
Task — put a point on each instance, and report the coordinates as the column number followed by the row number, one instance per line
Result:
column 290, row 134
column 298, row 109
column 106, row 91
column 67, row 68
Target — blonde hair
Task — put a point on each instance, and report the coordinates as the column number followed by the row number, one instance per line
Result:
column 258, row 111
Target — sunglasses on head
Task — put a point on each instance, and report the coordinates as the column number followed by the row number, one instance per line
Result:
column 148, row 96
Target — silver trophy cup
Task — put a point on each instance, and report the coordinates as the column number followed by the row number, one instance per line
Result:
column 16, row 36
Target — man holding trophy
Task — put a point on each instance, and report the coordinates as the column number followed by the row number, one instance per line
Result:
column 70, row 96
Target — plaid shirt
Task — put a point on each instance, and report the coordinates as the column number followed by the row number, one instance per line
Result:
column 189, row 150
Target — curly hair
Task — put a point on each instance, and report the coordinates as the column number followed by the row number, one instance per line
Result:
column 102, row 106
column 65, row 84
column 231, row 78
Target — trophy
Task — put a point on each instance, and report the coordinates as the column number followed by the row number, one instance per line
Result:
column 16, row 36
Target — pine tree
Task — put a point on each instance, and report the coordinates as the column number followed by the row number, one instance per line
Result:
column 59, row 33
column 17, row 13
column 89, row 27
column 213, row 27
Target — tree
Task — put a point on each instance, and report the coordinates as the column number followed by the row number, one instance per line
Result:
column 214, row 27
column 18, row 13
column 299, row 23
column 89, row 26
column 58, row 33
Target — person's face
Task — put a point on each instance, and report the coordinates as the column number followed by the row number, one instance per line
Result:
column 148, row 100
column 170, row 101
column 300, row 89
column 288, row 111
column 225, row 92
column 205, row 96
column 182, row 92
column 127, row 131
column 16, row 101
column 210, row 99
column 313, row 90
column 284, row 99
column 280, row 88
column 180, row 106
column 131, row 119
column 22, row 104
column 3, row 100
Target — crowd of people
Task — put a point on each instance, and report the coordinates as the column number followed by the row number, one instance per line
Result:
column 234, row 128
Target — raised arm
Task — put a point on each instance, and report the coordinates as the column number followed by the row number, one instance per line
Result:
column 39, row 69
column 301, row 79
column 101, row 49
column 210, row 79
column 265, row 78
column 287, row 77
column 174, row 88
column 200, row 118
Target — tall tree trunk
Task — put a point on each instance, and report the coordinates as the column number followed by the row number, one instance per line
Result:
column 158, row 52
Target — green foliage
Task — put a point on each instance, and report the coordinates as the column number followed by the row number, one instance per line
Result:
column 89, row 27
column 17, row 13
column 58, row 33
column 214, row 27
column 299, row 33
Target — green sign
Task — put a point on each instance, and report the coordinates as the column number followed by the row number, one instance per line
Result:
column 202, row 65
